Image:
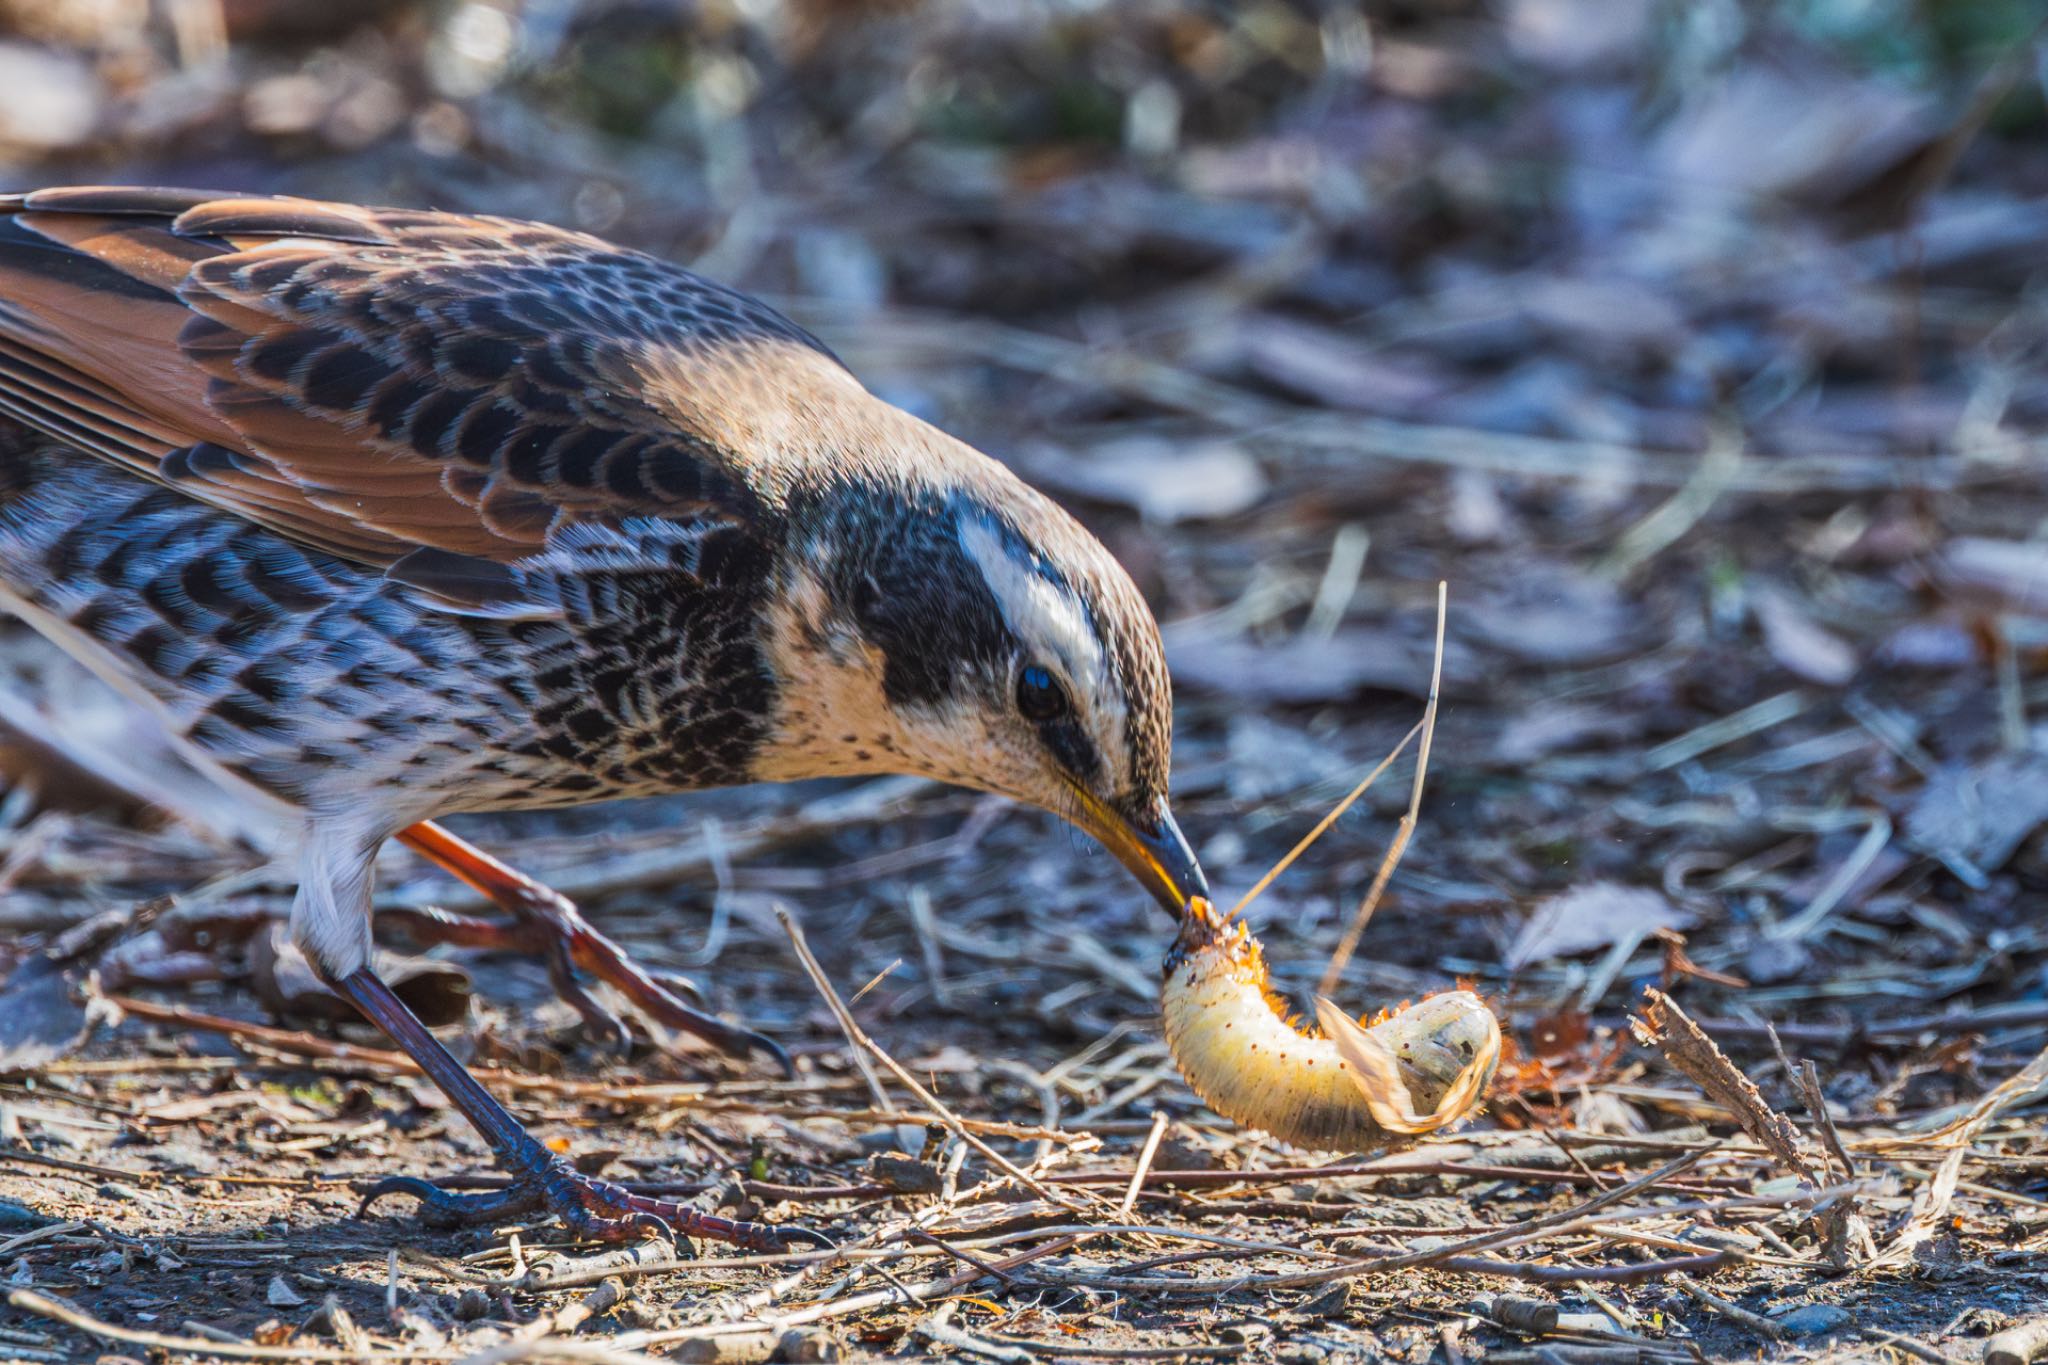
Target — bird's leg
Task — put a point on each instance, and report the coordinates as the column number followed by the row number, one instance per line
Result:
column 541, row 1179
column 547, row 923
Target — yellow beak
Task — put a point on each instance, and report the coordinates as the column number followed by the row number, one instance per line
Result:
column 1151, row 845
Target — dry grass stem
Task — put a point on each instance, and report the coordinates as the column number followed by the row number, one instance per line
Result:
column 1672, row 1032
column 1355, row 929
column 932, row 1103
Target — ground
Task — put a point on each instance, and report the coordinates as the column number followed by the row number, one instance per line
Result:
column 1700, row 355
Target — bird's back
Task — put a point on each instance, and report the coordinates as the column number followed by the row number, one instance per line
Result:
column 360, row 499
column 433, row 512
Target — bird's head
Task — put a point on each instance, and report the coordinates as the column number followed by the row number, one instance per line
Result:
column 963, row 627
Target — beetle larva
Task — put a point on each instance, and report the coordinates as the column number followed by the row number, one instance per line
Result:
column 1351, row 1089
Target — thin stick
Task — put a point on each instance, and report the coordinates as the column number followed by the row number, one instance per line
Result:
column 1754, row 1323
column 1363, row 916
column 551, row 1348
column 1145, row 1155
column 839, row 1011
column 1571, row 1274
column 1323, row 825
column 932, row 1102
column 839, row 1308
column 28, row 1301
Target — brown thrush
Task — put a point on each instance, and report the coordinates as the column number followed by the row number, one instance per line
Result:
column 391, row 514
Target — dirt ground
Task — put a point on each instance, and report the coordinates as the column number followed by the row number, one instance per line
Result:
column 1698, row 349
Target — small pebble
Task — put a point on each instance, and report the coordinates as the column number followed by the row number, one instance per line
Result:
column 1814, row 1319
column 20, row 1217
column 907, row 1138
column 904, row 1174
column 1333, row 1302
column 807, row 1345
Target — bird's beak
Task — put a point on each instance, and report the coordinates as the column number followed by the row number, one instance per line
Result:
column 1151, row 845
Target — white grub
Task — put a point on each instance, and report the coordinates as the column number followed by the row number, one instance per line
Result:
column 1352, row 1088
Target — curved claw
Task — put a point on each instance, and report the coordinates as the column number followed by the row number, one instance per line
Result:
column 798, row 1236
column 762, row 1046
column 441, row 1209
column 587, row 1207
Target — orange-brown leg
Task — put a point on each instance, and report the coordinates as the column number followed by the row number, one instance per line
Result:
column 547, row 923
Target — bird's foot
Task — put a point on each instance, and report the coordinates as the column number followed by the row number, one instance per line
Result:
column 590, row 1208
column 546, row 924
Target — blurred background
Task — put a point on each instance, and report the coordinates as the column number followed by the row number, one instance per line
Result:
column 1698, row 345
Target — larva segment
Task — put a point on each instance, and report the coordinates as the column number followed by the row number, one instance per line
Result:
column 1352, row 1089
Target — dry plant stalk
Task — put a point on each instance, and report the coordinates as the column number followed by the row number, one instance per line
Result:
column 2021, row 1345
column 1351, row 1088
column 1685, row 1045
column 1363, row 915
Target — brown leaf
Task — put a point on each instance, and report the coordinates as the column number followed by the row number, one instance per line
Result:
column 2015, row 572
column 1557, row 616
column 438, row 992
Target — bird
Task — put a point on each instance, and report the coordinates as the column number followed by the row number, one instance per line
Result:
column 392, row 514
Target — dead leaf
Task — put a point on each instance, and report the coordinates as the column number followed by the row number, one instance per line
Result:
column 1165, row 482
column 1775, row 130
column 1335, row 369
column 41, row 1018
column 438, row 992
column 1555, row 615
column 1553, row 727
column 1578, row 35
column 1937, row 644
column 1982, row 812
column 1595, row 915
column 1306, row 669
column 2013, row 571
column 1608, row 316
column 1804, row 648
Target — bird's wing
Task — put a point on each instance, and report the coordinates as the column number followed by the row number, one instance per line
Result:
column 395, row 387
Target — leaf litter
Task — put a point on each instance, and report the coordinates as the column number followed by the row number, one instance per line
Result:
column 1729, row 442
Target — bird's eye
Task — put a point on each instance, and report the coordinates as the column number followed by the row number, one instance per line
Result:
column 1040, row 698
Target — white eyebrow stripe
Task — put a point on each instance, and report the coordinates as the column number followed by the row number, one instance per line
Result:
column 1049, row 617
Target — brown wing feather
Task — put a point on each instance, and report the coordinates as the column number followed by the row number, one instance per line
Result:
column 376, row 381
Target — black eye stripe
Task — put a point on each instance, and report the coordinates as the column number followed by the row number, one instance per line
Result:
column 1070, row 744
